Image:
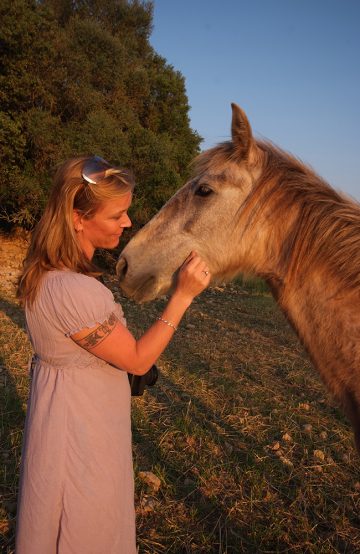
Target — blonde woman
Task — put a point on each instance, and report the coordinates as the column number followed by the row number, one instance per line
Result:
column 76, row 487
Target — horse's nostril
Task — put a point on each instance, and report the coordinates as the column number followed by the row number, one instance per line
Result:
column 121, row 268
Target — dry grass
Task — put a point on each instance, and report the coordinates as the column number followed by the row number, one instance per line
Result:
column 15, row 350
column 252, row 454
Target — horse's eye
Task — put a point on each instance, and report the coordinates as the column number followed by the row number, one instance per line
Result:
column 203, row 190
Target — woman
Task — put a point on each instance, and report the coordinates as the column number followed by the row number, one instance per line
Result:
column 76, row 487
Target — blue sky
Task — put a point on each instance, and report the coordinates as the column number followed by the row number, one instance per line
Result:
column 292, row 65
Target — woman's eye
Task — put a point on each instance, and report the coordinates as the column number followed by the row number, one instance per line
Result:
column 203, row 190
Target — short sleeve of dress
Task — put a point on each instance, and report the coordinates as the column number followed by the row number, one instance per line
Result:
column 79, row 301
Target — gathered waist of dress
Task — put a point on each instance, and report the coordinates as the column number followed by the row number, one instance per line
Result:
column 93, row 362
column 37, row 361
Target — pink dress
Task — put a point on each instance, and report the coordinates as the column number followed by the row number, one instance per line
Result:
column 76, row 487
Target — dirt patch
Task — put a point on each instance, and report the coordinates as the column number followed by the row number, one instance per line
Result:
column 13, row 248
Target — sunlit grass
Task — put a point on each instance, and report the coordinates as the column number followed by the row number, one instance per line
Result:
column 251, row 452
column 14, row 348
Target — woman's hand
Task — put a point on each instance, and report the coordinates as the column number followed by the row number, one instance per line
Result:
column 193, row 277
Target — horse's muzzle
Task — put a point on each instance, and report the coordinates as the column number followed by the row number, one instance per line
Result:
column 121, row 268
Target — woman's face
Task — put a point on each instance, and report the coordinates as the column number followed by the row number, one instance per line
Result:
column 105, row 227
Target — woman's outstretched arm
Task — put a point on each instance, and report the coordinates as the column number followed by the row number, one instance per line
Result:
column 113, row 342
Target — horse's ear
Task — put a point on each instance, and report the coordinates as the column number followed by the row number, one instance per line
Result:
column 240, row 131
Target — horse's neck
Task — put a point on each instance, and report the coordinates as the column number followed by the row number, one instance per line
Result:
column 320, row 318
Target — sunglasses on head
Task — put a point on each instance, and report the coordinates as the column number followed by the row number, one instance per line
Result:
column 95, row 169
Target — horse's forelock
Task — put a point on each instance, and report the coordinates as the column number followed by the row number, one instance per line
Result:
column 215, row 159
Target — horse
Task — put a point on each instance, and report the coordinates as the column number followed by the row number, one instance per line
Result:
column 253, row 208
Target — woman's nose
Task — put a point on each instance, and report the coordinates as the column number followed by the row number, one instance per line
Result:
column 127, row 222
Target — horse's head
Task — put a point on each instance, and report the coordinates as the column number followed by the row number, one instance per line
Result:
column 204, row 215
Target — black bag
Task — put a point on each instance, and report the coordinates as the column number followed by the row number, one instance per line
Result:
column 138, row 382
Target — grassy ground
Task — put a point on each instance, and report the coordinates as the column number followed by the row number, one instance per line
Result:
column 251, row 453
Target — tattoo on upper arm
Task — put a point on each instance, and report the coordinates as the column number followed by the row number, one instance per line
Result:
column 99, row 334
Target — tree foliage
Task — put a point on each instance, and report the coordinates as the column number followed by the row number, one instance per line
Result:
column 80, row 77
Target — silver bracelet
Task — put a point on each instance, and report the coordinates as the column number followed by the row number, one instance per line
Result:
column 167, row 323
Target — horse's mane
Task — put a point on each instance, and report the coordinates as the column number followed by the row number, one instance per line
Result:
column 326, row 228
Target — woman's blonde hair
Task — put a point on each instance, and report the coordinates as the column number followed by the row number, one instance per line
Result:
column 54, row 244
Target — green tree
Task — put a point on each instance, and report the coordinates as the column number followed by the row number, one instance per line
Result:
column 80, row 77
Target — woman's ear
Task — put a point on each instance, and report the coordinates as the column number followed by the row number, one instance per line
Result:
column 77, row 219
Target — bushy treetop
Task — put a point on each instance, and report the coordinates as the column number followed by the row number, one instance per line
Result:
column 80, row 77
